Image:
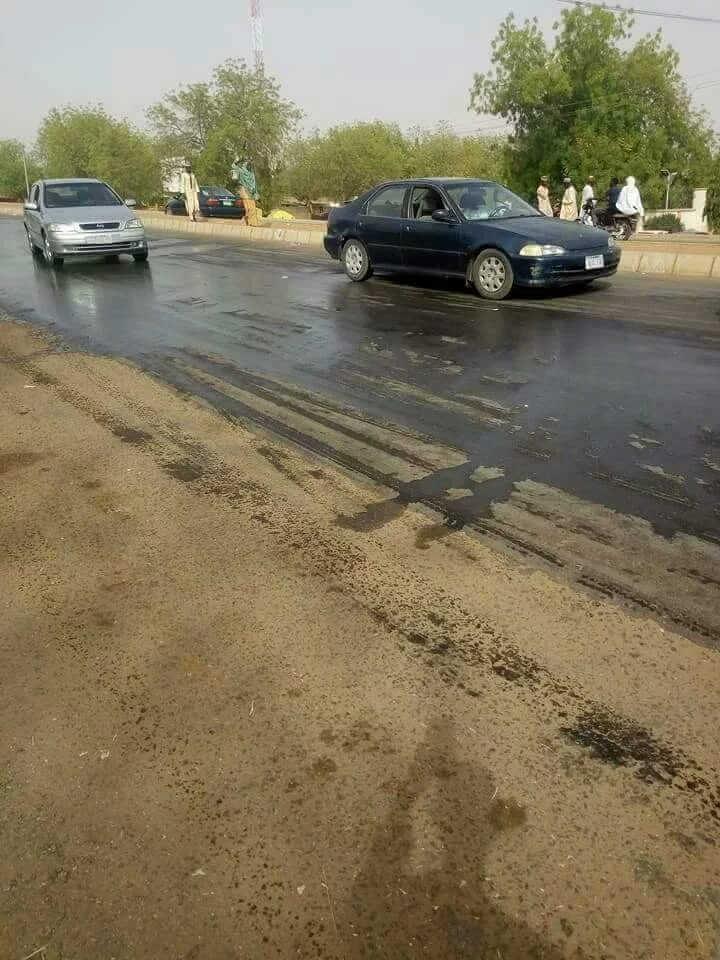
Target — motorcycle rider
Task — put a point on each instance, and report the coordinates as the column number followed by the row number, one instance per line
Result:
column 629, row 202
column 612, row 196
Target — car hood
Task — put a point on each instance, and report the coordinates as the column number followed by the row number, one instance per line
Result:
column 88, row 214
column 572, row 236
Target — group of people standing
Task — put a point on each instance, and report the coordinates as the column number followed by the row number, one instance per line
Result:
column 625, row 200
column 243, row 176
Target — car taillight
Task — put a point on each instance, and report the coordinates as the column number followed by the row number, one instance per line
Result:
column 213, row 203
column 239, row 203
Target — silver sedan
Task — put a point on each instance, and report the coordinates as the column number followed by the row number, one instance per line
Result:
column 82, row 217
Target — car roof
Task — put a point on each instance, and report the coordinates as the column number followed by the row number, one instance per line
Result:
column 443, row 181
column 60, row 180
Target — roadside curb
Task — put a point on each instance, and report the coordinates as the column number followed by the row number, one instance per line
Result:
column 678, row 263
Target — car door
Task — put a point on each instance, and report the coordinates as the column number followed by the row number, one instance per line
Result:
column 431, row 245
column 32, row 217
column 380, row 225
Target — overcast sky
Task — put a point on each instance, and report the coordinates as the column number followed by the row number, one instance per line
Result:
column 410, row 61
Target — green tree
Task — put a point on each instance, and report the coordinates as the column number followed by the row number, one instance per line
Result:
column 12, row 170
column 86, row 142
column 356, row 156
column 712, row 202
column 239, row 113
column 304, row 176
column 442, row 152
column 590, row 102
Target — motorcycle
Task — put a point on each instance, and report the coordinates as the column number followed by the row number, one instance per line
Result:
column 620, row 225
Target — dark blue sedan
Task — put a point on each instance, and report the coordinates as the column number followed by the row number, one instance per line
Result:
column 474, row 229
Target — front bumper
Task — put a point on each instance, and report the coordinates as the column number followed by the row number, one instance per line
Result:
column 85, row 244
column 563, row 270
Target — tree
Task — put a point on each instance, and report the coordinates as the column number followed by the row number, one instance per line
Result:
column 86, row 142
column 239, row 113
column 712, row 202
column 12, row 170
column 304, row 175
column 441, row 152
column 356, row 156
column 592, row 103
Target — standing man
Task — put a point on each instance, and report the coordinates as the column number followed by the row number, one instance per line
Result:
column 244, row 176
column 189, row 187
column 569, row 207
column 587, row 207
column 543, row 197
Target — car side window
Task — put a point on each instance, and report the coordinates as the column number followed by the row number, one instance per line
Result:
column 425, row 200
column 388, row 202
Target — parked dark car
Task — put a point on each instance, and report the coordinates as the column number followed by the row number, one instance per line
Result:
column 474, row 229
column 214, row 202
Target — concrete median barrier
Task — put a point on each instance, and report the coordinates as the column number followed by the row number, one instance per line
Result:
column 675, row 258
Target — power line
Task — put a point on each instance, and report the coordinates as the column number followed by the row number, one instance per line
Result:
column 616, row 8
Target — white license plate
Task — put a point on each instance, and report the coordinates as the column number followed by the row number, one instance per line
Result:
column 595, row 263
column 227, row 203
column 98, row 238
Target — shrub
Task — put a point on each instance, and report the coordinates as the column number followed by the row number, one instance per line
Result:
column 670, row 222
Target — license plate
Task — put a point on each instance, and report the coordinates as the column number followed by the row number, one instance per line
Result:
column 595, row 263
column 99, row 238
column 227, row 203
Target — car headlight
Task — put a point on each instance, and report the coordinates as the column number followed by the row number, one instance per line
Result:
column 541, row 250
column 134, row 224
column 62, row 228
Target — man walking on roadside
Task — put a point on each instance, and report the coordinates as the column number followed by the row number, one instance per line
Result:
column 543, row 197
column 569, row 207
column 189, row 187
column 587, row 204
column 244, row 176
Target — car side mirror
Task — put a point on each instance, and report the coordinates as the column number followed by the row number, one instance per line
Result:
column 444, row 216
column 131, row 203
column 30, row 205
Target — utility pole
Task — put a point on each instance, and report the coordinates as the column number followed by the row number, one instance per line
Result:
column 27, row 182
column 669, row 178
column 256, row 32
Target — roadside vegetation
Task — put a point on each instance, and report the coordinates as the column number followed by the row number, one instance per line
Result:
column 624, row 109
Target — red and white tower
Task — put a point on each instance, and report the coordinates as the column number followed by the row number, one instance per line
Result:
column 256, row 33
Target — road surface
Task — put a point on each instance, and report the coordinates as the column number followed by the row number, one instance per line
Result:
column 535, row 421
column 376, row 621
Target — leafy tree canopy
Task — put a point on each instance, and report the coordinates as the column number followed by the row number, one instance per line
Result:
column 238, row 113
column 590, row 102
column 12, row 171
column 86, row 142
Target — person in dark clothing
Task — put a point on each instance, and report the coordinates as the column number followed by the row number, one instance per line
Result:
column 613, row 194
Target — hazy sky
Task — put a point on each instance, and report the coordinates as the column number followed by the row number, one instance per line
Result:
column 411, row 61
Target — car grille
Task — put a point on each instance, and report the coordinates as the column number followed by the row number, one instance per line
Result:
column 114, row 225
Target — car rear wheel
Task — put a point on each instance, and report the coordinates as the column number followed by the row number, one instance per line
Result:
column 140, row 257
column 492, row 275
column 622, row 230
column 33, row 247
column 52, row 259
column 356, row 261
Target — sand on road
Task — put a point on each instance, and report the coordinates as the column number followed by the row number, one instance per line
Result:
column 250, row 708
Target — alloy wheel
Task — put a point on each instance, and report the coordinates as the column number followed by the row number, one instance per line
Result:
column 354, row 259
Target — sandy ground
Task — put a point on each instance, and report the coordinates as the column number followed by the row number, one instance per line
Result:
column 251, row 710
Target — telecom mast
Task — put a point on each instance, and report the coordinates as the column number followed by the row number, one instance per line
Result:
column 257, row 34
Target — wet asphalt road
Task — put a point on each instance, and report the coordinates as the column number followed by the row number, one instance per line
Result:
column 611, row 395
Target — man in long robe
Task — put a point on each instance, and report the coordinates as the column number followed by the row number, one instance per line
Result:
column 543, row 197
column 569, row 206
column 189, row 187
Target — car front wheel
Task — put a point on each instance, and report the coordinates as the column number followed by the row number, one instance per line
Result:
column 34, row 249
column 140, row 257
column 52, row 259
column 492, row 275
column 356, row 261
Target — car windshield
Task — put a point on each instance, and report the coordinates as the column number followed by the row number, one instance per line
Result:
column 80, row 194
column 220, row 193
column 480, row 200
